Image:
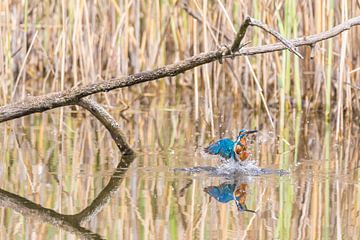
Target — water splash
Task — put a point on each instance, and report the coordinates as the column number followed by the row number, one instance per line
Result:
column 233, row 169
column 265, row 137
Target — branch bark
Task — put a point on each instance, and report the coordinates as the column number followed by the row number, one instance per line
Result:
column 72, row 96
column 240, row 35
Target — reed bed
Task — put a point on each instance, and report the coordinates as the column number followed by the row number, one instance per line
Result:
column 50, row 46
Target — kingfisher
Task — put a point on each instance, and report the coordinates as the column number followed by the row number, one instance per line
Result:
column 226, row 192
column 230, row 149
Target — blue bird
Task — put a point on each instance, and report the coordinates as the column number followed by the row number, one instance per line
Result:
column 230, row 149
column 226, row 192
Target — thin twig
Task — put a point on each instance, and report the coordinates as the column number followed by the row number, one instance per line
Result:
column 196, row 16
column 287, row 43
column 353, row 86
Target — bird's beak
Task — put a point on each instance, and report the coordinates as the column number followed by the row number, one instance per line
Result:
column 242, row 207
column 251, row 131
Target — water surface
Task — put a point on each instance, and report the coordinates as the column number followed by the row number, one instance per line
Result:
column 69, row 164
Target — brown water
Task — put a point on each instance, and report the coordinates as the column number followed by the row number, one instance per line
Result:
column 67, row 162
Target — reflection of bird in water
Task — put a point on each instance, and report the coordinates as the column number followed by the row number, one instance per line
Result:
column 228, row 148
column 226, row 192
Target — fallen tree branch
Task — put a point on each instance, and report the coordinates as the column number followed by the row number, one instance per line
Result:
column 72, row 96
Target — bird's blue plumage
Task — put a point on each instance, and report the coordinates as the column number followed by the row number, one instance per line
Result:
column 224, row 147
column 222, row 193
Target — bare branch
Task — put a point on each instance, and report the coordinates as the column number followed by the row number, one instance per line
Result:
column 72, row 96
column 127, row 158
column 303, row 41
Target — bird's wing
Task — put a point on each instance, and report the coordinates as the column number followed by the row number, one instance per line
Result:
column 223, row 147
column 222, row 193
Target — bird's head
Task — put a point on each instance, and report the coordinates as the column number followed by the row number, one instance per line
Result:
column 243, row 133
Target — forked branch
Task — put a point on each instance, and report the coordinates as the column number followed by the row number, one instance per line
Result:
column 72, row 96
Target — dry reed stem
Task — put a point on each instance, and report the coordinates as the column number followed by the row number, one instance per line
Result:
column 261, row 92
column 196, row 16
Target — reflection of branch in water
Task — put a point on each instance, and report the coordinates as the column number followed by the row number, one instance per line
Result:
column 33, row 210
column 105, row 195
column 70, row 223
column 182, row 190
column 180, row 194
